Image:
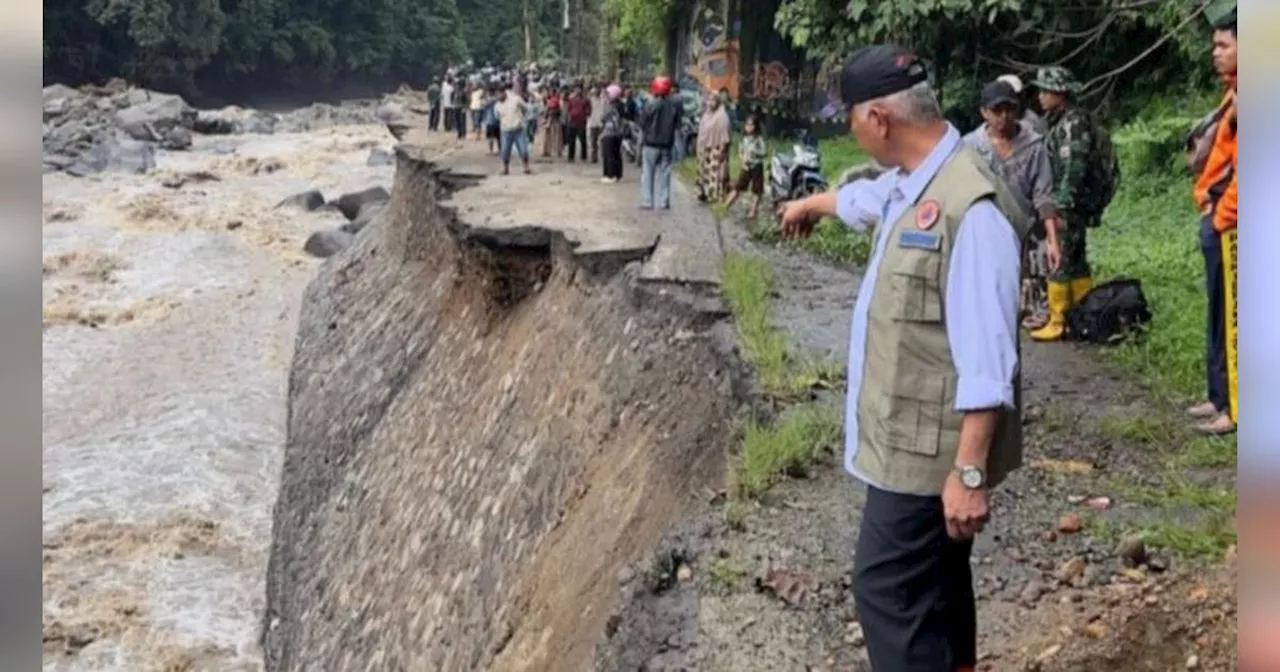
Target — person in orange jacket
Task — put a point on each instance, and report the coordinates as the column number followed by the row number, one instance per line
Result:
column 1215, row 195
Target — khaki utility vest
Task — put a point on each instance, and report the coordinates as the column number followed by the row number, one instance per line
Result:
column 908, row 429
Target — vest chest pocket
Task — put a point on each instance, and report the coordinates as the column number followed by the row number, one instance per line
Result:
column 917, row 285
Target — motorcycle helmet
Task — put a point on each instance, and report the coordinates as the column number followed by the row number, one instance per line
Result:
column 661, row 86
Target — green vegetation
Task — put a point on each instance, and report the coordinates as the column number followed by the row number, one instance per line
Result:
column 724, row 574
column 802, row 432
column 800, row 435
column 747, row 284
column 195, row 46
column 1159, row 43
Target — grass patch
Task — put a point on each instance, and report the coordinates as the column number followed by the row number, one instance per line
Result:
column 1150, row 233
column 747, row 283
column 724, row 574
column 788, row 447
column 802, row 432
column 1194, row 520
column 1206, row 453
column 1139, row 429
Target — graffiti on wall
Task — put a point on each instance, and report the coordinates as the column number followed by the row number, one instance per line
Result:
column 826, row 91
column 714, row 55
column 772, row 82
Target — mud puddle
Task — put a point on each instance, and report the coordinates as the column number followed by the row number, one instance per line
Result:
column 169, row 308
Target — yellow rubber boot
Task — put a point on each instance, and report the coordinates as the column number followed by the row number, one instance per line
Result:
column 1059, row 300
column 1080, row 287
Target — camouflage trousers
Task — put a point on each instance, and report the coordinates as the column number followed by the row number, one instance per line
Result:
column 1073, row 241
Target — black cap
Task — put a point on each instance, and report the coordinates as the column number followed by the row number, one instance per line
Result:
column 877, row 71
column 997, row 93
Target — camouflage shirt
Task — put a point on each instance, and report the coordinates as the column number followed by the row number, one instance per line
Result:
column 1070, row 143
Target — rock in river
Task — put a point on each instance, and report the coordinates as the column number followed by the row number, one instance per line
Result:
column 349, row 204
column 307, row 200
column 328, row 242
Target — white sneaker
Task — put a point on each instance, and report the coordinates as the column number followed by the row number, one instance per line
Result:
column 606, row 180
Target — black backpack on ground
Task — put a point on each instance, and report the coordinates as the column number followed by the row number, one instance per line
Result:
column 1109, row 312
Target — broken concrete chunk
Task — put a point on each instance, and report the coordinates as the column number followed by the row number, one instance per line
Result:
column 379, row 157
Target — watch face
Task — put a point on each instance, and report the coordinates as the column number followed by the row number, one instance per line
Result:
column 971, row 478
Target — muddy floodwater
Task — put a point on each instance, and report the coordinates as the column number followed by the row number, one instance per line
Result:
column 169, row 316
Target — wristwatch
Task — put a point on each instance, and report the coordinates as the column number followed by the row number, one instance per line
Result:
column 971, row 477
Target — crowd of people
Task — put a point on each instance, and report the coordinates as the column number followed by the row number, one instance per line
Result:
column 520, row 111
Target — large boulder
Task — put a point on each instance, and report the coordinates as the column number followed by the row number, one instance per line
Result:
column 309, row 200
column 327, row 242
column 176, row 139
column 115, row 154
column 368, row 212
column 60, row 100
column 349, row 204
column 159, row 112
column 234, row 119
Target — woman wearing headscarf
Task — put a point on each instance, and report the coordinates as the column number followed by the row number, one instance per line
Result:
column 612, row 129
column 713, row 151
column 553, row 125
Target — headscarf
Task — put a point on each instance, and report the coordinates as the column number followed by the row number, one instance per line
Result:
column 714, row 127
column 613, row 91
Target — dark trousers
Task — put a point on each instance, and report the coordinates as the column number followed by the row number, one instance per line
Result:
column 433, row 120
column 593, row 139
column 448, row 119
column 611, row 155
column 913, row 587
column 460, row 122
column 1215, row 353
column 575, row 138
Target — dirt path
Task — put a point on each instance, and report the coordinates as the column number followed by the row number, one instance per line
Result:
column 1050, row 598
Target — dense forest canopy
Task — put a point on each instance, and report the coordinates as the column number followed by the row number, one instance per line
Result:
column 1121, row 48
column 227, row 46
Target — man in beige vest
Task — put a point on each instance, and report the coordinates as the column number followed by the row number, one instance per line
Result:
column 932, row 419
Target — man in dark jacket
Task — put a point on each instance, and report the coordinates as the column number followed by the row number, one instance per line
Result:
column 579, row 112
column 660, row 121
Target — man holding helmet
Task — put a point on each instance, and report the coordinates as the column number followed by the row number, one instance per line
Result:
column 659, row 122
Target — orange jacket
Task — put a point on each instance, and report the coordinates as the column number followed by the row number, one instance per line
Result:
column 1215, row 190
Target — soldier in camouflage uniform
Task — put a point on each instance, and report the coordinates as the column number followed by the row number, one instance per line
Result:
column 1070, row 144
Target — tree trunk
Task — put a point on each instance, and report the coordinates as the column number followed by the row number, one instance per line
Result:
column 528, row 32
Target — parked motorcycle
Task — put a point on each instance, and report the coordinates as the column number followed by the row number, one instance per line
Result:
column 688, row 135
column 632, row 142
column 797, row 174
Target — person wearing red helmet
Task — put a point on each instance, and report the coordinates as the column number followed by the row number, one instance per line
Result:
column 658, row 122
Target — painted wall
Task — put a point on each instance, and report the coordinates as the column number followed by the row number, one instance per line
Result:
column 730, row 46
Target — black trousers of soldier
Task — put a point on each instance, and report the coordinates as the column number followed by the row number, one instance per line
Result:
column 913, row 587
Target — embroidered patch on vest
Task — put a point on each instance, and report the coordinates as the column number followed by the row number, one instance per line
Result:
column 920, row 240
column 927, row 215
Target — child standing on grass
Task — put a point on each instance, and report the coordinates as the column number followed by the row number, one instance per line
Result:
column 751, row 153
